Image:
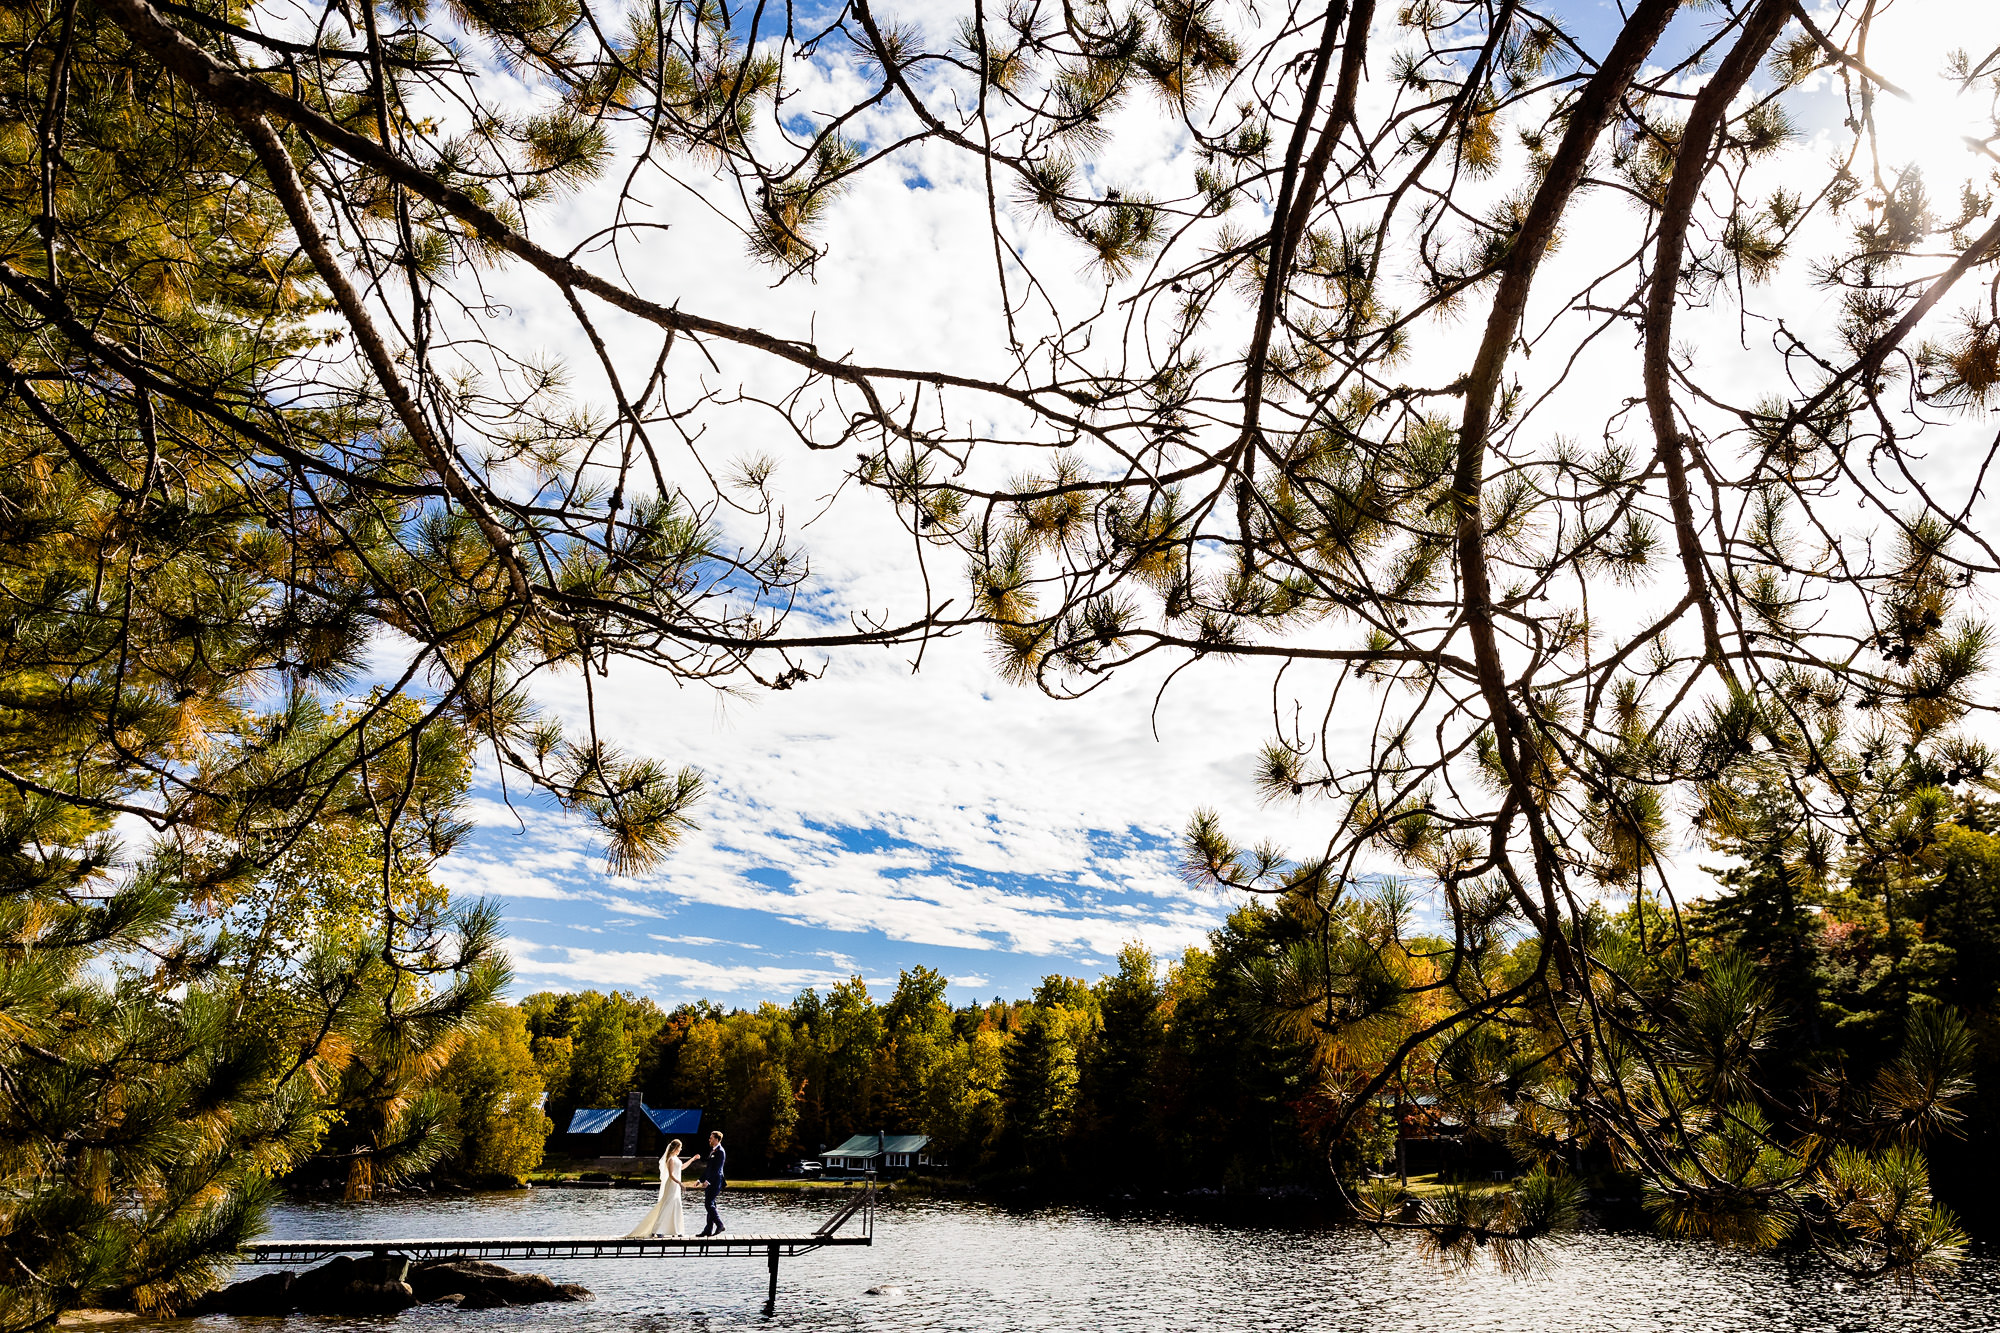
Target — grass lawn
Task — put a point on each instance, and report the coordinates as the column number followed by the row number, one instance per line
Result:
column 1424, row 1187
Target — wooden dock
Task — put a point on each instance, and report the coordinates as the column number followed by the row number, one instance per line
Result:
column 422, row 1249
column 859, row 1210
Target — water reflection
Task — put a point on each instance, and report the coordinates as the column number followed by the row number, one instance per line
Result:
column 976, row 1268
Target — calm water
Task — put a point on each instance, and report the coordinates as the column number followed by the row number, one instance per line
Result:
column 974, row 1268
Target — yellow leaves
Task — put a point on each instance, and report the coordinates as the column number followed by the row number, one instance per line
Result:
column 332, row 884
column 566, row 147
column 1017, row 651
column 196, row 721
column 1007, row 64
column 1628, row 826
column 1084, row 94
column 1189, row 47
column 1055, row 512
column 1001, row 587
column 1479, row 142
column 1962, row 371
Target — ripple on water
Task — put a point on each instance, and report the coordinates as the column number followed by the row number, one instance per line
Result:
column 961, row 1267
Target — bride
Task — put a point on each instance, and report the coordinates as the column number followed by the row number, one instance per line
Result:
column 665, row 1219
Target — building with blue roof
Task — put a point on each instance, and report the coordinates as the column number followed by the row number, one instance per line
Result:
column 632, row 1130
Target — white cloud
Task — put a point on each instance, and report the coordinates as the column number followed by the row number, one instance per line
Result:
column 940, row 809
column 467, row 877
column 543, row 964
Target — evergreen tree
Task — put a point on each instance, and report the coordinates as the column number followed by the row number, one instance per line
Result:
column 1770, row 908
column 179, row 218
column 1233, row 1074
column 1958, row 960
column 1118, row 1087
column 1038, row 1090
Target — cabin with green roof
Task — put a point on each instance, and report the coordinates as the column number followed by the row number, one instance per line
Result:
column 880, row 1153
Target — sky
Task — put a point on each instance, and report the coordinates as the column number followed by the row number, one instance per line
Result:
column 881, row 816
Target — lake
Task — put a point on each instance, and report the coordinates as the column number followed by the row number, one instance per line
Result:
column 970, row 1267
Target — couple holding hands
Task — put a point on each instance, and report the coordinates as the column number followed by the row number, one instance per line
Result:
column 665, row 1219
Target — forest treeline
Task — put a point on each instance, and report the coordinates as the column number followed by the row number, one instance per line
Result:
column 1142, row 1060
column 1201, row 1071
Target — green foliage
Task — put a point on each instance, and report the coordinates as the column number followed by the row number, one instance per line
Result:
column 405, row 1007
column 228, row 479
column 1462, row 1226
column 602, row 1061
column 491, row 1091
column 590, row 1047
column 1038, row 1087
column 1823, row 1036
column 269, row 985
column 1118, row 1079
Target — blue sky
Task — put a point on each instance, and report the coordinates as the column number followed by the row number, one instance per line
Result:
column 875, row 820
column 879, row 818
column 676, row 948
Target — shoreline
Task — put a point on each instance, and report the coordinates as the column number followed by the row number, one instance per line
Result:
column 1607, row 1200
column 780, row 1186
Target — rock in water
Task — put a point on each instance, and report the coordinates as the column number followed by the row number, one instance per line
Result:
column 887, row 1289
column 386, row 1284
column 343, row 1285
column 482, row 1286
column 270, row 1294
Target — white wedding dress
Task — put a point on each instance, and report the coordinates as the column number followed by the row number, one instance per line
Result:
column 665, row 1219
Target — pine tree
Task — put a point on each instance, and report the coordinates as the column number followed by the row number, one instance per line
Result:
column 1770, row 908
column 1038, row 1088
column 1118, row 1087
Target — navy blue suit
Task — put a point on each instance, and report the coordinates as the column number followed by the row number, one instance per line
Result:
column 717, row 1161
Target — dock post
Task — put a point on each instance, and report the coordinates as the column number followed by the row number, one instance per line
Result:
column 771, row 1300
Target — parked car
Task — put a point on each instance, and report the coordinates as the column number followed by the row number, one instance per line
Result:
column 805, row 1167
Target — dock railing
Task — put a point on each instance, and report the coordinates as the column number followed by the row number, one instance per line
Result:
column 863, row 1203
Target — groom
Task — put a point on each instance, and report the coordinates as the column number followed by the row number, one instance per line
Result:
column 716, row 1161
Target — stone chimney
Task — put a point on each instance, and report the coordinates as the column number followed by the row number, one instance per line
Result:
column 632, row 1114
